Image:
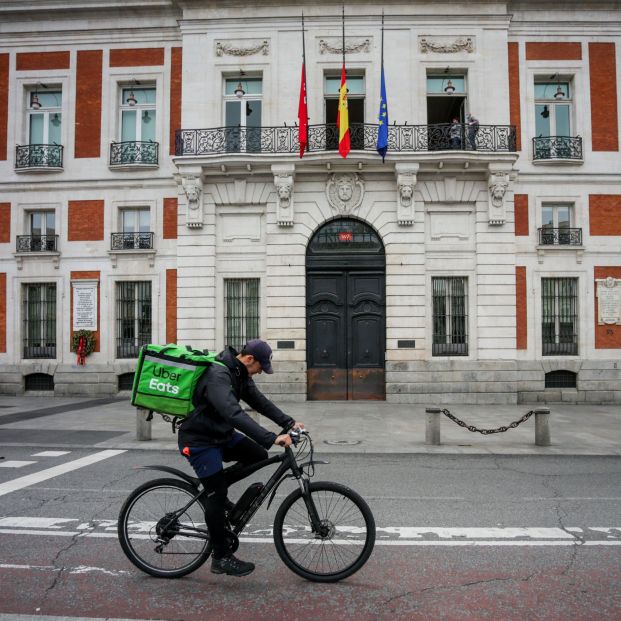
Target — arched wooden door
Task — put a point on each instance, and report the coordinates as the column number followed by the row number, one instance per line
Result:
column 345, row 312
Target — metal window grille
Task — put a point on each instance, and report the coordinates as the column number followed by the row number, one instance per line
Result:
column 450, row 316
column 133, row 317
column 39, row 381
column 561, row 379
column 39, row 320
column 241, row 311
column 559, row 316
column 125, row 381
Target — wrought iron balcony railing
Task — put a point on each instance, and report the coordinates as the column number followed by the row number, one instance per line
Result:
column 557, row 148
column 132, row 241
column 563, row 236
column 134, row 153
column 37, row 243
column 38, row 156
column 401, row 138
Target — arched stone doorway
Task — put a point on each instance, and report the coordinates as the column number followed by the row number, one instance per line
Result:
column 345, row 312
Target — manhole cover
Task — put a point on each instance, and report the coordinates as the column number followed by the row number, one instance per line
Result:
column 343, row 442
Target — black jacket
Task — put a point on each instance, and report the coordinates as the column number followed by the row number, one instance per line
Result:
column 217, row 411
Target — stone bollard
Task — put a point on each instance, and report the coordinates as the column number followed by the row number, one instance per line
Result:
column 542, row 427
column 143, row 426
column 432, row 426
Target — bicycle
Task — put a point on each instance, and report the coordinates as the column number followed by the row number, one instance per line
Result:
column 323, row 531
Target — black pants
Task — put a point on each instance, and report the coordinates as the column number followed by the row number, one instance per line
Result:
column 246, row 452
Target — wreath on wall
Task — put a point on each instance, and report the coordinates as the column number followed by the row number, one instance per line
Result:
column 83, row 342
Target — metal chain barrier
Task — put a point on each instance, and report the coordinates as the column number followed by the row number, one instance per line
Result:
column 486, row 432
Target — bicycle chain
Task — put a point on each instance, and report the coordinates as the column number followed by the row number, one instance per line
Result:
column 486, row 432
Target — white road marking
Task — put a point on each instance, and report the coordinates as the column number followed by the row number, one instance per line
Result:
column 49, row 473
column 80, row 569
column 51, row 453
column 15, row 464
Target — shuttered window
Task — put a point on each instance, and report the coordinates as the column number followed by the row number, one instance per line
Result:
column 133, row 317
column 450, row 316
column 241, row 311
column 39, row 320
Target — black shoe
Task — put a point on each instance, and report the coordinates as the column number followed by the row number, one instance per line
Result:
column 231, row 566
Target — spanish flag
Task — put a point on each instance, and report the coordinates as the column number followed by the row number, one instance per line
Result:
column 342, row 119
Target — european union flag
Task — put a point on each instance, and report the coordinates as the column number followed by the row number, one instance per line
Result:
column 382, row 118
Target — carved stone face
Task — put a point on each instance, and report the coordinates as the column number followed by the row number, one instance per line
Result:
column 345, row 190
column 284, row 191
column 192, row 191
column 406, row 191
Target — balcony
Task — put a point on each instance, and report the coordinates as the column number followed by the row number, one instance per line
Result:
column 39, row 157
column 560, row 237
column 132, row 241
column 37, row 243
column 134, row 154
column 557, row 148
column 132, row 245
column 322, row 138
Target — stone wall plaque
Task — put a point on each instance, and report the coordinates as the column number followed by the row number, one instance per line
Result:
column 84, row 305
column 609, row 301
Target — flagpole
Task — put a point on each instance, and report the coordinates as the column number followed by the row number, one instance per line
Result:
column 343, row 35
column 382, row 64
column 303, row 48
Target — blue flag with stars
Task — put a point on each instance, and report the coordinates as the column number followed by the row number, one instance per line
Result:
column 382, row 119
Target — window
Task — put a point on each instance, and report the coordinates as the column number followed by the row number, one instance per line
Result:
column 241, row 311
column 133, row 317
column 557, row 226
column 242, row 113
column 42, row 226
column 552, row 112
column 559, row 316
column 39, row 381
column 45, row 117
column 355, row 108
column 39, row 320
column 450, row 317
column 138, row 114
column 136, row 229
column 446, row 99
column 125, row 381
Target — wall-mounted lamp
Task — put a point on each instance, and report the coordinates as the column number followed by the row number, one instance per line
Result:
column 55, row 120
column 559, row 91
column 131, row 100
column 545, row 113
column 145, row 116
column 35, row 104
column 449, row 89
column 239, row 92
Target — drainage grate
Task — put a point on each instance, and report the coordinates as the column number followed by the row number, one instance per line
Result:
column 342, row 442
column 126, row 381
column 39, row 381
column 561, row 379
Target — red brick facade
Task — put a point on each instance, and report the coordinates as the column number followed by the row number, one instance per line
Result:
column 514, row 91
column 521, row 214
column 170, row 218
column 87, row 276
column 553, row 50
column 607, row 336
column 176, row 59
column 139, row 57
column 88, row 103
column 42, row 61
column 4, row 103
column 521, row 317
column 605, row 214
column 604, row 114
column 86, row 221
column 2, row 312
column 171, row 306
column 5, row 223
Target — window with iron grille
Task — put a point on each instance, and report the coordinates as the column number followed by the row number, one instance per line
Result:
column 39, row 320
column 39, row 381
column 561, row 379
column 559, row 316
column 125, row 381
column 241, row 311
column 133, row 317
column 450, row 316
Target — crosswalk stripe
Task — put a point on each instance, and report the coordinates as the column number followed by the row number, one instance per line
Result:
column 49, row 473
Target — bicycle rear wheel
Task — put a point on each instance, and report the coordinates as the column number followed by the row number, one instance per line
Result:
column 154, row 537
column 346, row 539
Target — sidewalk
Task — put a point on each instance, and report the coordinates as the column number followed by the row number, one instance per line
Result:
column 336, row 427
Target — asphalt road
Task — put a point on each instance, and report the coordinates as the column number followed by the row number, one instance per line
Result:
column 459, row 537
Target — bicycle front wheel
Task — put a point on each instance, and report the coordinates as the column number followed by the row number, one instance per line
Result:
column 345, row 540
column 156, row 532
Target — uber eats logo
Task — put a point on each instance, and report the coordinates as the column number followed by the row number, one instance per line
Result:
column 164, row 386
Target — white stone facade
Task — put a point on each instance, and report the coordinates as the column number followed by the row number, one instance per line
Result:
column 252, row 214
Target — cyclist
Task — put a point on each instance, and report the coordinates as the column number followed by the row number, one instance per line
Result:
column 211, row 435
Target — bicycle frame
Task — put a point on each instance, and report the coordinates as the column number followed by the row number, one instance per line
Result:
column 236, row 473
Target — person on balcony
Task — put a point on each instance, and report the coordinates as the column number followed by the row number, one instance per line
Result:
column 455, row 134
column 473, row 129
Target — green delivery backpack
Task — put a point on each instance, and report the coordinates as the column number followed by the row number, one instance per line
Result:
column 166, row 376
